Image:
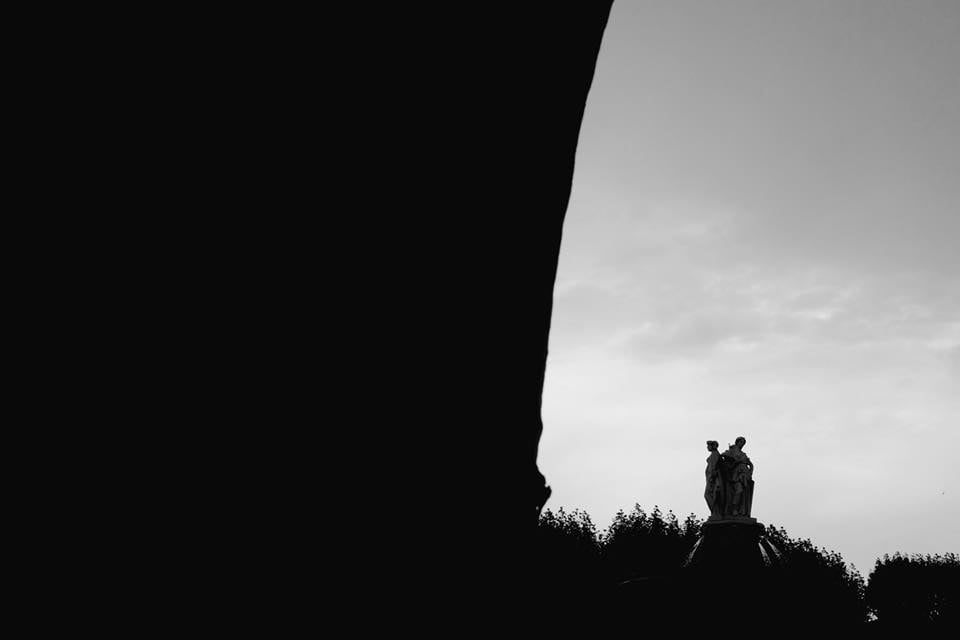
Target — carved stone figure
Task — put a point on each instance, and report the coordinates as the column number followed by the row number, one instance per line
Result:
column 737, row 470
column 713, row 493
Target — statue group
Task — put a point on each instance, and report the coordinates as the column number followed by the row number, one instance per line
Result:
column 729, row 491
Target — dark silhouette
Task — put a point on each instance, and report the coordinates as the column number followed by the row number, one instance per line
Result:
column 639, row 566
column 569, row 562
column 463, row 142
column 916, row 592
column 480, row 117
column 815, row 582
column 638, row 544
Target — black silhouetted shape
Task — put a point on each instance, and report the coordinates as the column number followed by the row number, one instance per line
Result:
column 469, row 141
column 916, row 591
column 636, row 575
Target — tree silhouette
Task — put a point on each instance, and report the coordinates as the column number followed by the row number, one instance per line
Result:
column 915, row 590
column 817, row 582
column 636, row 567
column 638, row 544
column 569, row 558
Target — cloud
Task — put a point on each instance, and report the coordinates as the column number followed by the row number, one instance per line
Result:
column 952, row 358
column 688, row 285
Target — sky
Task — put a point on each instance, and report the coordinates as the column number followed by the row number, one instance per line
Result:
column 763, row 239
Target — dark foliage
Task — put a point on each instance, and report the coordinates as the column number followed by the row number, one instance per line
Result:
column 569, row 557
column 817, row 582
column 915, row 590
column 642, row 544
column 637, row 565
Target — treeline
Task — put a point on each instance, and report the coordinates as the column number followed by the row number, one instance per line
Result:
column 637, row 565
column 909, row 590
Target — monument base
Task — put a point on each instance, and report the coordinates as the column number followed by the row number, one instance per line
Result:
column 729, row 544
column 737, row 519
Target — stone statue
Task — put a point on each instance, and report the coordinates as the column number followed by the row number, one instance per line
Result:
column 713, row 493
column 736, row 471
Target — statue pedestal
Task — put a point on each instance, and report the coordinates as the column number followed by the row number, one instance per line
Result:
column 734, row 570
column 729, row 544
column 733, row 519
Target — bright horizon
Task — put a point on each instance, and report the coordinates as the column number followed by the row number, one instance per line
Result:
column 762, row 240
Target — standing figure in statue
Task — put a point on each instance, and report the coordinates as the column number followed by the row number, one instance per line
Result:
column 713, row 493
column 739, row 480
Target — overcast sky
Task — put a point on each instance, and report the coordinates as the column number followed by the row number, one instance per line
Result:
column 764, row 240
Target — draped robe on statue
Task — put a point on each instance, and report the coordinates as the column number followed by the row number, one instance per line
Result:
column 736, row 471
